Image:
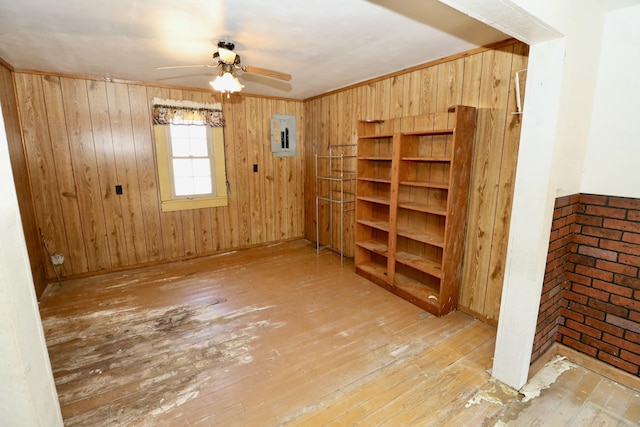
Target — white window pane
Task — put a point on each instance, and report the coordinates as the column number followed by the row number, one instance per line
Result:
column 179, row 131
column 201, row 167
column 182, row 168
column 183, row 186
column 180, row 147
column 199, row 147
column 197, row 132
column 202, row 185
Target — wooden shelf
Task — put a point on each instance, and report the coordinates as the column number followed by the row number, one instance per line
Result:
column 375, row 270
column 379, row 180
column 381, row 136
column 333, row 178
column 430, row 132
column 375, row 199
column 375, row 246
column 430, row 238
column 439, row 185
column 419, row 290
column 421, row 207
column 424, row 265
column 418, row 216
column 425, row 159
column 378, row 225
column 376, row 159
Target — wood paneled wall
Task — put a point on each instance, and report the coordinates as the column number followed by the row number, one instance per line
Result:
column 83, row 137
column 11, row 119
column 483, row 79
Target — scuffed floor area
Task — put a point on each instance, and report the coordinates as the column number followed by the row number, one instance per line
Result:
column 562, row 394
column 281, row 335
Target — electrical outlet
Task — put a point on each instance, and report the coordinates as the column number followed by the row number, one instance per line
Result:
column 255, row 168
column 118, row 189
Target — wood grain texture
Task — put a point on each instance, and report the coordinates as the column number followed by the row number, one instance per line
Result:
column 506, row 182
column 482, row 79
column 84, row 137
column 243, row 339
column 38, row 258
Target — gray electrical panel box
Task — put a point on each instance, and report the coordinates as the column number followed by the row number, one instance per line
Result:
column 283, row 135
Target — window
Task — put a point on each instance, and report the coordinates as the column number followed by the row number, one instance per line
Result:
column 191, row 168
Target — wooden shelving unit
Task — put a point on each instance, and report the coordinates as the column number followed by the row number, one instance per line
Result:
column 412, row 192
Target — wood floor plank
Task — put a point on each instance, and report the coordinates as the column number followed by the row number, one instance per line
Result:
column 281, row 335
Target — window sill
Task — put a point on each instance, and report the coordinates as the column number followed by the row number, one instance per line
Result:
column 181, row 205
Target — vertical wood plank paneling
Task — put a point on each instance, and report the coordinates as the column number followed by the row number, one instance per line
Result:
column 244, row 174
column 85, row 172
column 271, row 220
column 224, row 234
column 227, row 223
column 505, row 187
column 120, row 119
column 38, row 259
column 481, row 80
column 370, row 110
column 107, row 173
column 429, row 90
column 68, row 187
column 41, row 162
column 449, row 84
column 312, row 130
column 410, row 102
column 86, row 136
column 396, row 99
column 322, row 143
column 334, row 124
column 382, row 99
column 472, row 80
column 145, row 162
column 494, row 92
column 71, row 219
column 348, row 136
column 280, row 165
column 299, row 171
column 257, row 183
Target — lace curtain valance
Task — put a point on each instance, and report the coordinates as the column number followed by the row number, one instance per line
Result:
column 168, row 111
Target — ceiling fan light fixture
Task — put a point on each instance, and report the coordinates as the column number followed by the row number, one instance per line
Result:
column 226, row 83
column 227, row 56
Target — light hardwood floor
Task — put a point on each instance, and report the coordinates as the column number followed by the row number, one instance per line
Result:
column 280, row 335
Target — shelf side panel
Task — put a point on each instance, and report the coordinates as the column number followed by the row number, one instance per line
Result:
column 460, row 175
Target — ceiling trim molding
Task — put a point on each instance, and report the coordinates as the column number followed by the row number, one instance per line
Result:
column 6, row 64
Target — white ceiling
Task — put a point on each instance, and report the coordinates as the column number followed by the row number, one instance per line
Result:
column 324, row 45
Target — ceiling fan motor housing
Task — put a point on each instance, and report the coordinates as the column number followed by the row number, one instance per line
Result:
column 226, row 45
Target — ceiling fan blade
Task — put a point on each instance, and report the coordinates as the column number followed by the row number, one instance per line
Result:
column 268, row 73
column 185, row 66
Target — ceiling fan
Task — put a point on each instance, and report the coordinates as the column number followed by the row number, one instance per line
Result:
column 228, row 61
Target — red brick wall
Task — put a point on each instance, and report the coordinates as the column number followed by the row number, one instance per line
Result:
column 599, row 297
column 551, row 302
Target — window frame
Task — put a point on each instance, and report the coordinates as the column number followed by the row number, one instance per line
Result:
column 170, row 202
